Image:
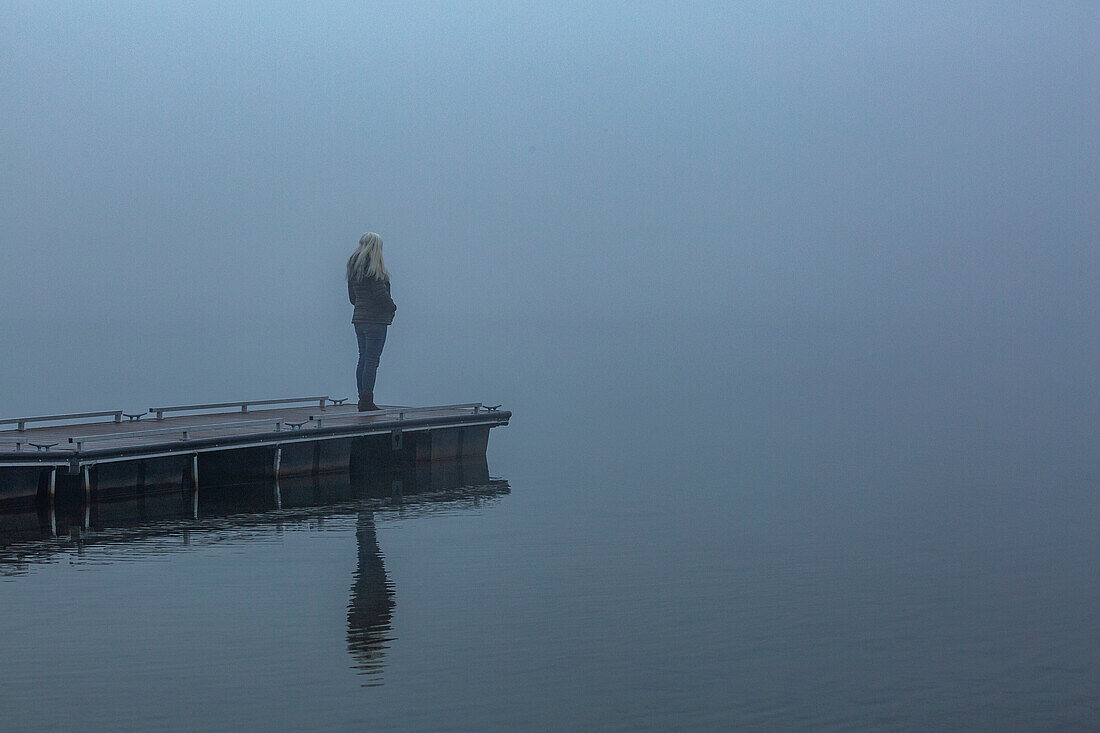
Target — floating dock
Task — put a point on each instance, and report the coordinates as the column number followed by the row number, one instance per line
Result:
column 114, row 452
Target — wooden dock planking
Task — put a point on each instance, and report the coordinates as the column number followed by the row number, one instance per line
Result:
column 61, row 433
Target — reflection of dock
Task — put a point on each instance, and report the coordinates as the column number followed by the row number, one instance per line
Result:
column 115, row 452
column 186, row 520
column 404, row 488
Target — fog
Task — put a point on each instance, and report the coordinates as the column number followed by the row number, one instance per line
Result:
column 621, row 205
column 795, row 305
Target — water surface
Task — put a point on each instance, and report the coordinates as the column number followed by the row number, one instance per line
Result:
column 778, row 528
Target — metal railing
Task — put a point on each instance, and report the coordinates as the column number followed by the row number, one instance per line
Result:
column 321, row 419
column 184, row 432
column 400, row 412
column 475, row 406
column 21, row 422
column 159, row 411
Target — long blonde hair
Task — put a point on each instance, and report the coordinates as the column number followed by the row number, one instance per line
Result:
column 367, row 260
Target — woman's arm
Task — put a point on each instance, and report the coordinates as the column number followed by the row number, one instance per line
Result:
column 351, row 293
column 381, row 294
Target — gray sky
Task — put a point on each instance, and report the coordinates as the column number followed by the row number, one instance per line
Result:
column 175, row 174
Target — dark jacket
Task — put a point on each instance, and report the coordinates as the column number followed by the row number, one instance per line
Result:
column 372, row 301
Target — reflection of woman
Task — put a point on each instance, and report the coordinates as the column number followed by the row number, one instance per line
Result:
column 371, row 605
column 369, row 292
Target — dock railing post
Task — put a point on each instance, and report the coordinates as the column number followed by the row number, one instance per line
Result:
column 87, row 498
column 278, row 493
column 52, row 494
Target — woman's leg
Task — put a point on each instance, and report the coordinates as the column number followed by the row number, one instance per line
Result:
column 361, row 338
column 375, row 336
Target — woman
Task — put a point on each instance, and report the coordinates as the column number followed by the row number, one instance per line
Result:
column 369, row 292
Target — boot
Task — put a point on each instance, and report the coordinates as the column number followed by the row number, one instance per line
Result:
column 366, row 403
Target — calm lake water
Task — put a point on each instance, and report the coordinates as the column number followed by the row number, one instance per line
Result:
column 771, row 526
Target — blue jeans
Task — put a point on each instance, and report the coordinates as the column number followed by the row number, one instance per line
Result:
column 371, row 337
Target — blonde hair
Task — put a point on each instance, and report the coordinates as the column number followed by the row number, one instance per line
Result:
column 367, row 260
